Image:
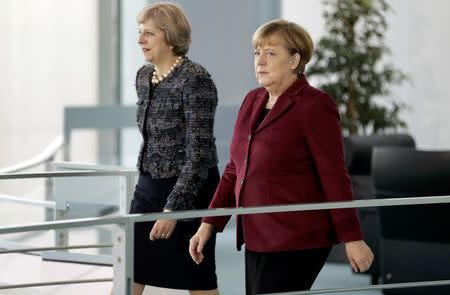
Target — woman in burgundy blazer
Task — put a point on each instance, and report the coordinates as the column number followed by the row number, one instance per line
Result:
column 286, row 149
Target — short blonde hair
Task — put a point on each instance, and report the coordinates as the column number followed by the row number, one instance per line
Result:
column 296, row 39
column 171, row 19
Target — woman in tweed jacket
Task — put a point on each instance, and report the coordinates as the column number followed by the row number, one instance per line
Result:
column 177, row 160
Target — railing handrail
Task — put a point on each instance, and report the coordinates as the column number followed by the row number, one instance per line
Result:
column 21, row 200
column 132, row 218
column 126, row 222
column 228, row 211
column 53, row 248
column 48, row 153
column 75, row 173
column 368, row 288
column 55, row 283
column 54, row 174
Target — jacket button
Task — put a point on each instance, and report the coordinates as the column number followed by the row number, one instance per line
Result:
column 242, row 181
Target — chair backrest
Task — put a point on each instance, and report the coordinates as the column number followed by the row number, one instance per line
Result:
column 406, row 172
column 358, row 149
column 358, row 157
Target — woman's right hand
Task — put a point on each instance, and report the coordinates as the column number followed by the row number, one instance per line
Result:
column 359, row 255
column 198, row 241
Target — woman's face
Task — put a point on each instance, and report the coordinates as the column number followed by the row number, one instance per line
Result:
column 153, row 43
column 273, row 62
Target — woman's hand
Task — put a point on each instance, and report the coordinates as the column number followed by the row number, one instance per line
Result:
column 359, row 255
column 198, row 241
column 162, row 229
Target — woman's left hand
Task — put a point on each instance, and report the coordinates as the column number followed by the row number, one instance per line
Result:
column 359, row 255
column 162, row 229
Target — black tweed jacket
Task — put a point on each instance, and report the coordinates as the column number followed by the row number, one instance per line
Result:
column 176, row 120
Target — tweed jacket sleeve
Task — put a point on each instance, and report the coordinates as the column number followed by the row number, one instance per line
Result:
column 199, row 104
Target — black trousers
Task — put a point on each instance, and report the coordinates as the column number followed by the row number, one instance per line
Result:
column 283, row 271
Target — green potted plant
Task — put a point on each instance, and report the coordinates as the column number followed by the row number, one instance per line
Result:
column 350, row 64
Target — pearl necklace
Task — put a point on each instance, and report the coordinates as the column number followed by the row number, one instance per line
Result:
column 156, row 80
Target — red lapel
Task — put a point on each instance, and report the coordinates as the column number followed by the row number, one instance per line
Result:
column 283, row 103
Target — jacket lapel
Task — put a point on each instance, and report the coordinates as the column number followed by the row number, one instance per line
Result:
column 283, row 103
column 278, row 109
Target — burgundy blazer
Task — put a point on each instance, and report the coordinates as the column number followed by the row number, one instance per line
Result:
column 294, row 156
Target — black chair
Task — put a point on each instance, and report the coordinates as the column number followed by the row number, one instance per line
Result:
column 358, row 157
column 414, row 240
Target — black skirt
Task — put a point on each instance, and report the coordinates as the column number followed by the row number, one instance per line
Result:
column 166, row 263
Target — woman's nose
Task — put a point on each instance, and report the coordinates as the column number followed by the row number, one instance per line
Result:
column 140, row 39
column 260, row 60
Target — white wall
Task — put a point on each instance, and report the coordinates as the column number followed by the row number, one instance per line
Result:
column 131, row 61
column 419, row 37
column 48, row 58
column 420, row 42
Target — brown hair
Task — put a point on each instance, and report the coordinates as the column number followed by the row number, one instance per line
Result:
column 171, row 19
column 296, row 39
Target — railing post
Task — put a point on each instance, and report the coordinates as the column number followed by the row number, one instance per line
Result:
column 124, row 242
column 49, row 214
column 61, row 235
column 60, row 213
column 125, row 199
column 123, row 259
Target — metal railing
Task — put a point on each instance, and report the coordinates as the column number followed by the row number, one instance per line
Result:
column 22, row 200
column 124, row 238
column 45, row 157
column 124, row 202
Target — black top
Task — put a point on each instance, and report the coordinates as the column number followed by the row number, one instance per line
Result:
column 263, row 115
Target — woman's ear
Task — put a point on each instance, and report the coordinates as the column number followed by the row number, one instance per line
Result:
column 295, row 60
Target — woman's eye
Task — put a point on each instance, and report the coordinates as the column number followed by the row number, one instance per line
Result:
column 256, row 53
column 146, row 33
